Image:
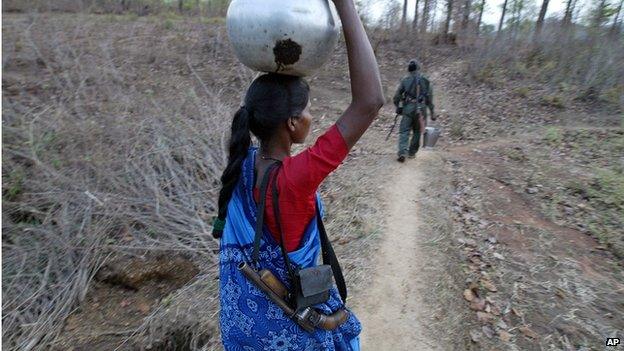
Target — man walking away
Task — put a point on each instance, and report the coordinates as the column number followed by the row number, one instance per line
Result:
column 412, row 98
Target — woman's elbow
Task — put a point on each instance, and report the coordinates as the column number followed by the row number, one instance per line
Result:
column 373, row 105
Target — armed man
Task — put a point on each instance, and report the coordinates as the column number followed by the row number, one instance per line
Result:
column 412, row 99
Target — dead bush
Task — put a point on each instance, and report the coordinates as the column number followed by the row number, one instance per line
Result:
column 96, row 149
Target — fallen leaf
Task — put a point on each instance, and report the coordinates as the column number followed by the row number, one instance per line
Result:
column 495, row 310
column 501, row 324
column 504, row 336
column 531, row 190
column 528, row 332
column 124, row 303
column 143, row 307
column 488, row 331
column 475, row 336
column 516, row 312
column 489, row 285
column 469, row 295
column 484, row 317
column 499, row 256
column 477, row 304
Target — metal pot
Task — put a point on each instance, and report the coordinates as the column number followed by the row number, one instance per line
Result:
column 431, row 136
column 292, row 37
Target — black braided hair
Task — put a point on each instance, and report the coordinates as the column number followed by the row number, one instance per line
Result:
column 270, row 100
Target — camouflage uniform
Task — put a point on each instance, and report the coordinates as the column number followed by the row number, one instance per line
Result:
column 412, row 110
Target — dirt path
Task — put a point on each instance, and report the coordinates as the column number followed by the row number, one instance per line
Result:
column 394, row 314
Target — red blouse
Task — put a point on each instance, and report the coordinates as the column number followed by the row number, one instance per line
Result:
column 297, row 182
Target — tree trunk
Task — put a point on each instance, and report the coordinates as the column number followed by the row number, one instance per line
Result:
column 518, row 6
column 540, row 19
column 449, row 13
column 404, row 18
column 599, row 15
column 425, row 16
column 567, row 17
column 125, row 5
column 502, row 19
column 481, row 8
column 415, row 21
column 616, row 17
column 180, row 5
column 466, row 17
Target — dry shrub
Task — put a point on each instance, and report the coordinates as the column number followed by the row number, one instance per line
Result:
column 585, row 61
column 93, row 155
column 138, row 7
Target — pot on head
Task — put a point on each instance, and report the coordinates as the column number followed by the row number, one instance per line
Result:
column 292, row 37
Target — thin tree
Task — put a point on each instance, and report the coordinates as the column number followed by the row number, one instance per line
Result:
column 502, row 19
column 480, row 18
column 449, row 13
column 540, row 19
column 516, row 15
column 433, row 14
column 180, row 5
column 404, row 18
column 600, row 13
column 569, row 12
column 125, row 5
column 616, row 17
column 466, row 15
column 425, row 16
column 415, row 21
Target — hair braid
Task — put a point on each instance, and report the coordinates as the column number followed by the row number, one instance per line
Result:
column 239, row 144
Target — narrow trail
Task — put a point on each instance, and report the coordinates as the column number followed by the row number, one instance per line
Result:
column 392, row 311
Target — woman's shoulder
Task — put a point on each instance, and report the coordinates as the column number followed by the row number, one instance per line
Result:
column 306, row 170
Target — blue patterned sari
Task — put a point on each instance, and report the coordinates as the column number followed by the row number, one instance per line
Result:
column 249, row 320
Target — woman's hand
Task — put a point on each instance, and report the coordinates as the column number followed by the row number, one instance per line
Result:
column 366, row 92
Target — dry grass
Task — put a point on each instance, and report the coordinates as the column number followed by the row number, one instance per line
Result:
column 100, row 155
column 577, row 62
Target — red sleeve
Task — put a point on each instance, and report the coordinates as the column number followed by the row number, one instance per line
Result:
column 306, row 170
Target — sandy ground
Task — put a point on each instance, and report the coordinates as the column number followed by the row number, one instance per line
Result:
column 394, row 317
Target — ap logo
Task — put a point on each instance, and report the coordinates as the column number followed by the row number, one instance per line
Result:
column 613, row 341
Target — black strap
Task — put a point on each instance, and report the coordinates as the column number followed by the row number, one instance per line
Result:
column 278, row 216
column 415, row 80
column 329, row 257
column 260, row 211
column 327, row 251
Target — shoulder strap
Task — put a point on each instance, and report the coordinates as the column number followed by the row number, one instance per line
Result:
column 278, row 221
column 260, row 211
column 415, row 81
column 329, row 257
column 327, row 251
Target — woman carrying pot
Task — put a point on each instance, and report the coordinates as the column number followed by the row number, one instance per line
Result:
column 277, row 111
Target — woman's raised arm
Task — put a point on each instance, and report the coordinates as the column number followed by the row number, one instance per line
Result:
column 366, row 92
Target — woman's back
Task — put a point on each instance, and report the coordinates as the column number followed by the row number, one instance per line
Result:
column 298, row 179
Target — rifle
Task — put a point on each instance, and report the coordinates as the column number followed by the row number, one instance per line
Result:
column 309, row 319
column 393, row 125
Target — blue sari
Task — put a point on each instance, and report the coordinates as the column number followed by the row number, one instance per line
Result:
column 249, row 320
